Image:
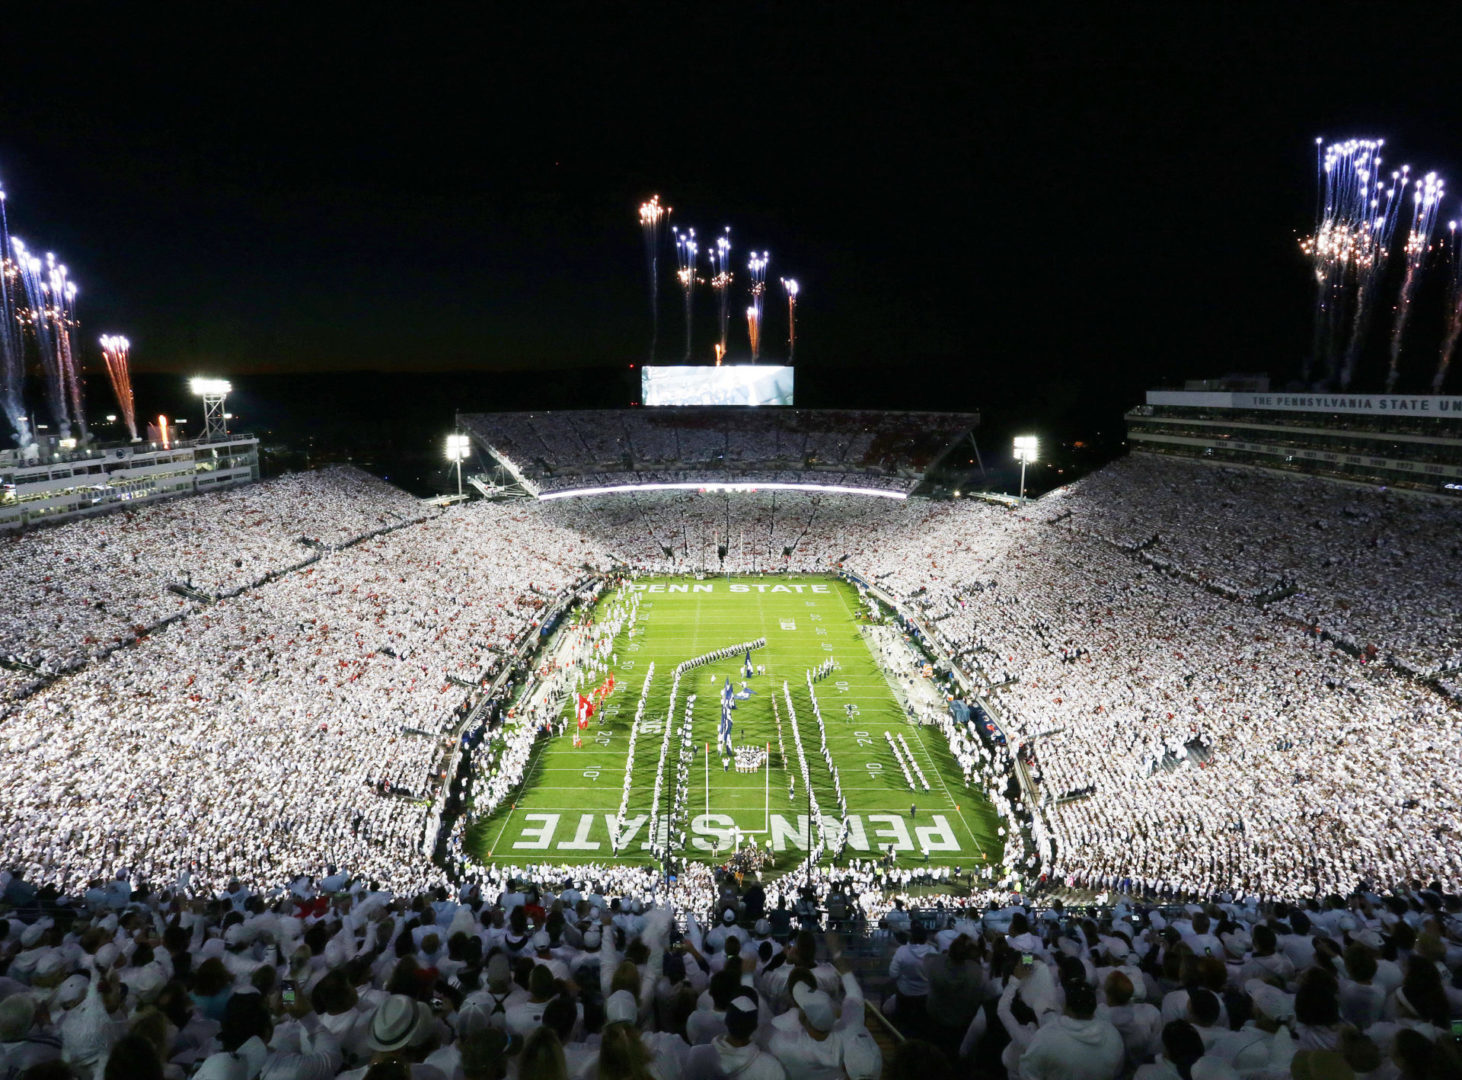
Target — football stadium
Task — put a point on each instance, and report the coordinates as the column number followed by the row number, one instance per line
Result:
column 720, row 737
column 662, row 671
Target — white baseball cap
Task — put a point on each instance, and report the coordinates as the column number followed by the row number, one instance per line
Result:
column 620, row 1007
column 816, row 1006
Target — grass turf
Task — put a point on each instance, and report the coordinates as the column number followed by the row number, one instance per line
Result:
column 570, row 794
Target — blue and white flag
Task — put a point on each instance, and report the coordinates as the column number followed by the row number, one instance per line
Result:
column 726, row 695
column 725, row 725
column 744, row 693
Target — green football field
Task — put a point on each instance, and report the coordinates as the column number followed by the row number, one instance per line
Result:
column 571, row 794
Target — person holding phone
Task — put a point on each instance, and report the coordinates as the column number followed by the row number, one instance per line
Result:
column 1078, row 1045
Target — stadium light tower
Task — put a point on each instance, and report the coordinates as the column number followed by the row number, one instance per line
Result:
column 458, row 449
column 212, row 391
column 1025, row 453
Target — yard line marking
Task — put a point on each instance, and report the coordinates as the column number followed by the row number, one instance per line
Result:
column 918, row 732
column 672, row 631
column 522, row 787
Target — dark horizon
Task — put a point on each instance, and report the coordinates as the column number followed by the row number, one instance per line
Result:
column 1054, row 210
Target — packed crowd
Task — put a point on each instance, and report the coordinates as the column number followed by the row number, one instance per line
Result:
column 1362, row 986
column 571, row 449
column 760, row 532
column 294, row 724
column 79, row 590
column 1372, row 568
column 1318, row 770
column 583, row 977
column 875, row 887
column 1183, row 740
column 337, row 977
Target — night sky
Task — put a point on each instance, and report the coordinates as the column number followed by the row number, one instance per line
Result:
column 975, row 203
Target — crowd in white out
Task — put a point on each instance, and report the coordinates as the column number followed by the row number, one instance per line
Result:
column 575, row 449
column 293, row 725
column 336, row 977
column 1371, row 569
column 76, row 591
column 298, row 723
column 588, row 978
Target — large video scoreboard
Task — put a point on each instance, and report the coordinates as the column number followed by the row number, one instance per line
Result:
column 729, row 384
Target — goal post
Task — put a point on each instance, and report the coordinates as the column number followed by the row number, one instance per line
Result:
column 766, row 793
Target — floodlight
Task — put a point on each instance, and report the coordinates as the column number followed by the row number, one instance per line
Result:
column 458, row 448
column 212, row 391
column 1026, row 447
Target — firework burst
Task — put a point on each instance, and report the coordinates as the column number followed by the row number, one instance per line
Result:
column 757, row 268
column 1426, row 201
column 115, row 353
column 12, row 344
column 61, row 319
column 1355, row 220
column 39, row 316
column 685, row 258
column 652, row 220
column 790, row 285
column 721, row 278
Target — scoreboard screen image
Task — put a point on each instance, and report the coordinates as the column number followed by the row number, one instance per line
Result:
column 730, row 384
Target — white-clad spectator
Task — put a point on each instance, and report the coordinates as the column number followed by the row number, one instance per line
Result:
column 526, row 1015
column 1077, row 1045
column 819, row 1046
column 1138, row 1022
column 23, row 1042
column 734, row 1053
column 401, row 1030
column 910, row 976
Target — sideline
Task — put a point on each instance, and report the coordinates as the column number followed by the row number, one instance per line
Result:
column 918, row 728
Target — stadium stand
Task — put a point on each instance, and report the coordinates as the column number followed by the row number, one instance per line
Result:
column 1227, row 690
column 1405, row 441
column 79, row 589
column 1373, row 569
column 581, row 977
column 567, row 450
column 1154, row 709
